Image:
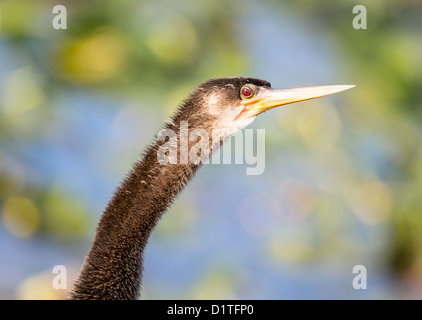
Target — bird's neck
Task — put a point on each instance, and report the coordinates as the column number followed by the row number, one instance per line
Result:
column 113, row 266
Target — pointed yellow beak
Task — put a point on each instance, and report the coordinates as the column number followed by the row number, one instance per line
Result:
column 268, row 98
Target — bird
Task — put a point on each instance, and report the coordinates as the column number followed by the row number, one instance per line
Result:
column 113, row 266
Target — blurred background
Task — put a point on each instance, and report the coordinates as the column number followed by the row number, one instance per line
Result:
column 343, row 178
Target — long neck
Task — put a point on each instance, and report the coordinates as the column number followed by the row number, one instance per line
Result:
column 114, row 264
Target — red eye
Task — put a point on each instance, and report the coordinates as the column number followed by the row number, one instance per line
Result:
column 246, row 92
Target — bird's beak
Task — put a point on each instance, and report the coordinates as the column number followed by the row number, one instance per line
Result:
column 268, row 98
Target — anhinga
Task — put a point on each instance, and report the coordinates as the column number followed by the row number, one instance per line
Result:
column 114, row 264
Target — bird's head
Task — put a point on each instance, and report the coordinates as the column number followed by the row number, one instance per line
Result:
column 233, row 103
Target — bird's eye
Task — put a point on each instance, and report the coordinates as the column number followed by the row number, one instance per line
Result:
column 246, row 92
